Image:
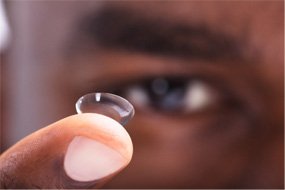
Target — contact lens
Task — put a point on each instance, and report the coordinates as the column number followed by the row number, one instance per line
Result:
column 106, row 104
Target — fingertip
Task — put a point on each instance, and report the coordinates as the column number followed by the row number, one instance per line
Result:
column 89, row 160
column 88, row 149
column 100, row 148
column 102, row 129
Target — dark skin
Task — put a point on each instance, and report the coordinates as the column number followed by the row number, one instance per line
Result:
column 231, row 53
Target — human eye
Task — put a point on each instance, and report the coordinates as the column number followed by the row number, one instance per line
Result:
column 175, row 95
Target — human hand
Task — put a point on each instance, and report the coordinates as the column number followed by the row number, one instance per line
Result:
column 80, row 151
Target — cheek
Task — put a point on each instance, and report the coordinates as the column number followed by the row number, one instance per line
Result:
column 185, row 152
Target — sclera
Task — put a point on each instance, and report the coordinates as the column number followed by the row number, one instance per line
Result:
column 107, row 104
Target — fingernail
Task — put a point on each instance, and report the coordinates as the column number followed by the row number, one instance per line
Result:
column 88, row 160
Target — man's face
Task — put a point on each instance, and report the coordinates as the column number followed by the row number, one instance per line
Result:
column 205, row 78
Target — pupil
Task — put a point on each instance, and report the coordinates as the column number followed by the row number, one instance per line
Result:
column 159, row 86
column 166, row 94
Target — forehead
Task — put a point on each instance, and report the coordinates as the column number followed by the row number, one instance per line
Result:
column 260, row 23
column 179, row 11
column 233, row 13
column 233, row 16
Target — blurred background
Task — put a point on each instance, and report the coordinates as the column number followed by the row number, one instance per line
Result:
column 206, row 80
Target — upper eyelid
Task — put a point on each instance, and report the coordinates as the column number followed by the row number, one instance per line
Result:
column 183, row 80
column 142, row 80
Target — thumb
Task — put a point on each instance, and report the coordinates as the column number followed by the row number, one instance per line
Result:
column 80, row 151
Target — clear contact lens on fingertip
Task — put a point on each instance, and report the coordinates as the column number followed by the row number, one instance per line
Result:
column 107, row 104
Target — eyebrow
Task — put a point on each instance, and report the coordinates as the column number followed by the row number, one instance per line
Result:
column 116, row 28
